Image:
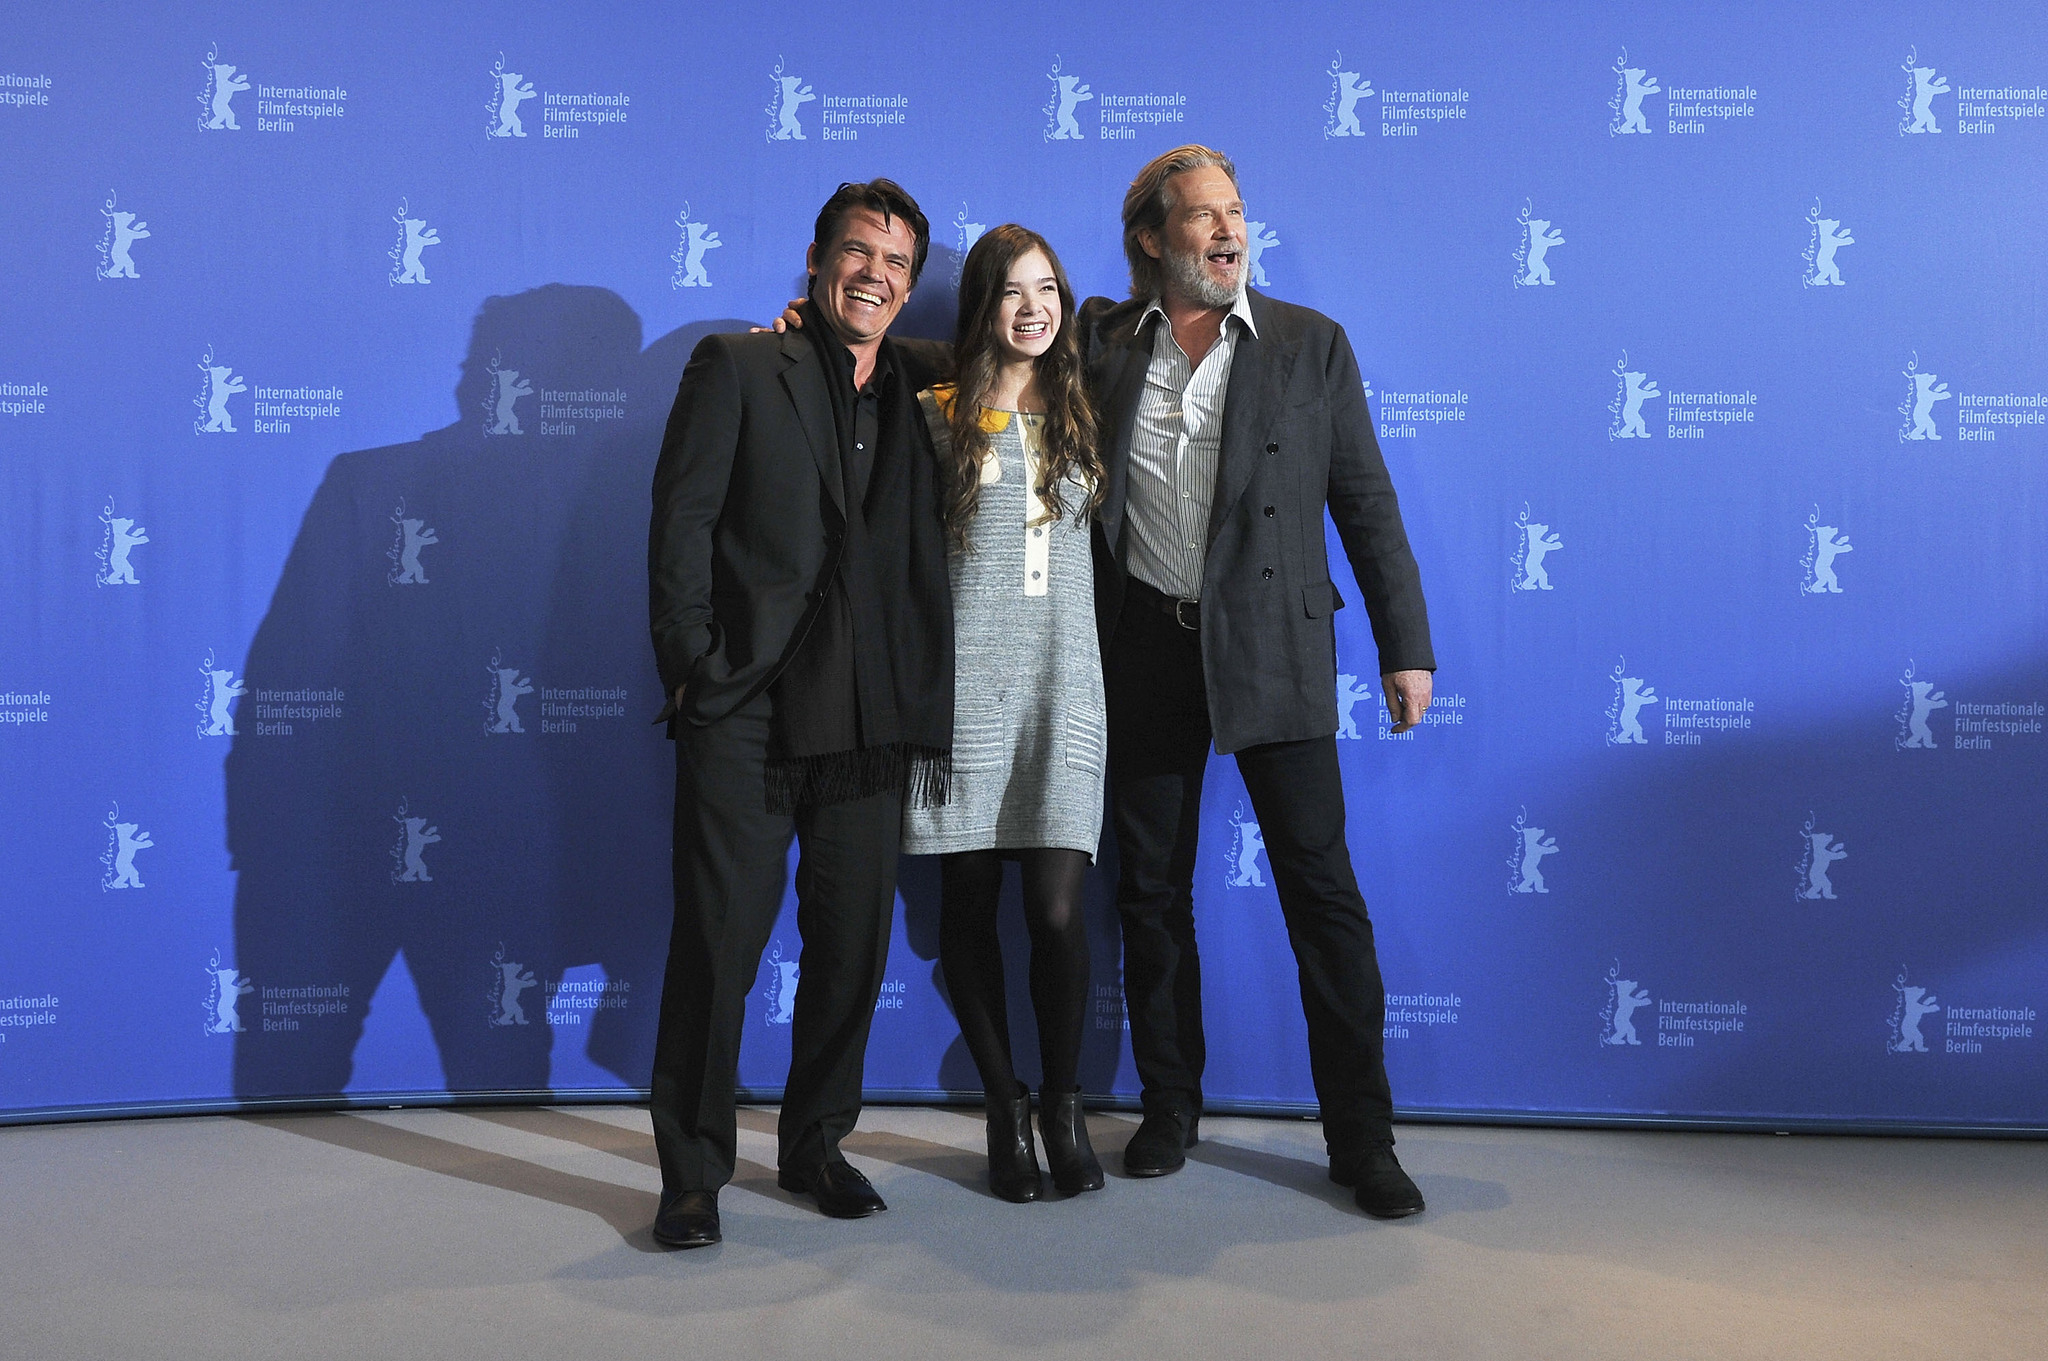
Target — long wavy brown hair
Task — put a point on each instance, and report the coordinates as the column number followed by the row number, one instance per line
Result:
column 1068, row 438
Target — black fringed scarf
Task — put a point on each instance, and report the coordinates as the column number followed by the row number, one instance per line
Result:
column 866, row 704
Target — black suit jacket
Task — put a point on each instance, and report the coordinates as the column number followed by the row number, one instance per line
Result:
column 1297, row 437
column 749, row 514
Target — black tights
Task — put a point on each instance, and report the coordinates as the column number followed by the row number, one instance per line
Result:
column 972, row 958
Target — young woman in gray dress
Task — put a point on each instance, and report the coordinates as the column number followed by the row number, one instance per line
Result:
column 1020, row 476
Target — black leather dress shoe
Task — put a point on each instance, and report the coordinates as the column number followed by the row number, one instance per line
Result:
column 838, row 1187
column 1162, row 1138
column 689, row 1219
column 1383, row 1190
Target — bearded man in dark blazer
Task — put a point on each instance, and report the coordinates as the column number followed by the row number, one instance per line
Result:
column 802, row 625
column 1230, row 422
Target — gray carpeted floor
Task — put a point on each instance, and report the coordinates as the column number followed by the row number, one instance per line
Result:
column 523, row 1233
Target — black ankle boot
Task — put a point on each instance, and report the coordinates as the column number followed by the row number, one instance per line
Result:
column 1171, row 1126
column 1012, row 1161
column 1067, row 1150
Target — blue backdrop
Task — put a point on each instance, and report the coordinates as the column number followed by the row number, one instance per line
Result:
column 338, row 344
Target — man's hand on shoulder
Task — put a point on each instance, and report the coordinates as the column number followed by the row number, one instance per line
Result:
column 790, row 320
column 1408, row 694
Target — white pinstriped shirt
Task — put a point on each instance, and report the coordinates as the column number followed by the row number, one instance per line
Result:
column 1175, row 443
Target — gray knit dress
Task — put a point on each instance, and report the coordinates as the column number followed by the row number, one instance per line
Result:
column 1029, row 738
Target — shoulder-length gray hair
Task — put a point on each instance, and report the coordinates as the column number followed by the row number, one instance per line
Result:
column 1149, row 201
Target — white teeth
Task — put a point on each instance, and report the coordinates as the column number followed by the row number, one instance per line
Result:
column 859, row 296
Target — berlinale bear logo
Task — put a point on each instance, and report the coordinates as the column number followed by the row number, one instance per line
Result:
column 217, row 111
column 1923, row 83
column 1350, row 693
column 509, row 90
column 117, row 861
column 1912, row 1005
column 1244, row 852
column 965, row 233
column 413, row 839
column 220, row 382
column 1921, row 700
column 783, row 975
column 404, row 553
column 1533, row 543
column 1525, row 862
column 1824, row 543
column 1532, row 266
column 1346, row 89
column 1257, row 242
column 122, row 537
column 1923, row 390
column 501, row 405
column 1068, row 94
column 222, row 689
column 225, row 990
column 688, row 256
column 414, row 236
column 1819, row 851
column 1825, row 236
column 1624, row 722
column 1617, row 1018
column 1632, row 388
column 790, row 95
column 123, row 230
column 509, row 978
column 502, row 702
column 1626, row 106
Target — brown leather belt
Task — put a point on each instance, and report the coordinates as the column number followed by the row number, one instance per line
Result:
column 1187, row 613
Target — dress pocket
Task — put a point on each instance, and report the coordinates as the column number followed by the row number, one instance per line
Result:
column 1087, row 739
column 977, row 734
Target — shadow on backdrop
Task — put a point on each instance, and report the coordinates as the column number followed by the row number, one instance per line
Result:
column 407, row 790
column 453, row 810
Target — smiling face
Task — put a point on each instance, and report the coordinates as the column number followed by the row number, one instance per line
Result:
column 862, row 279
column 1029, row 318
column 1202, row 245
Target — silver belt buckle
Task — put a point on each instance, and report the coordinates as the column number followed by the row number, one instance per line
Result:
column 1179, row 605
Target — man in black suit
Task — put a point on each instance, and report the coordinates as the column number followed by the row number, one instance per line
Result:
column 1230, row 421
column 803, row 629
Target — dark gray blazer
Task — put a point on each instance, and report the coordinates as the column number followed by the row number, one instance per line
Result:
column 1297, row 438
column 749, row 514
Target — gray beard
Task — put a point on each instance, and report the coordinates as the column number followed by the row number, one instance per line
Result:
column 1186, row 276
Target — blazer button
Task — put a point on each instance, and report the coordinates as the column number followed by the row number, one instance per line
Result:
column 1272, row 448
column 1267, row 575
column 1269, row 512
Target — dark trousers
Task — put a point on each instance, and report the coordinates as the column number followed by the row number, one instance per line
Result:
column 1159, row 739
column 730, row 859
